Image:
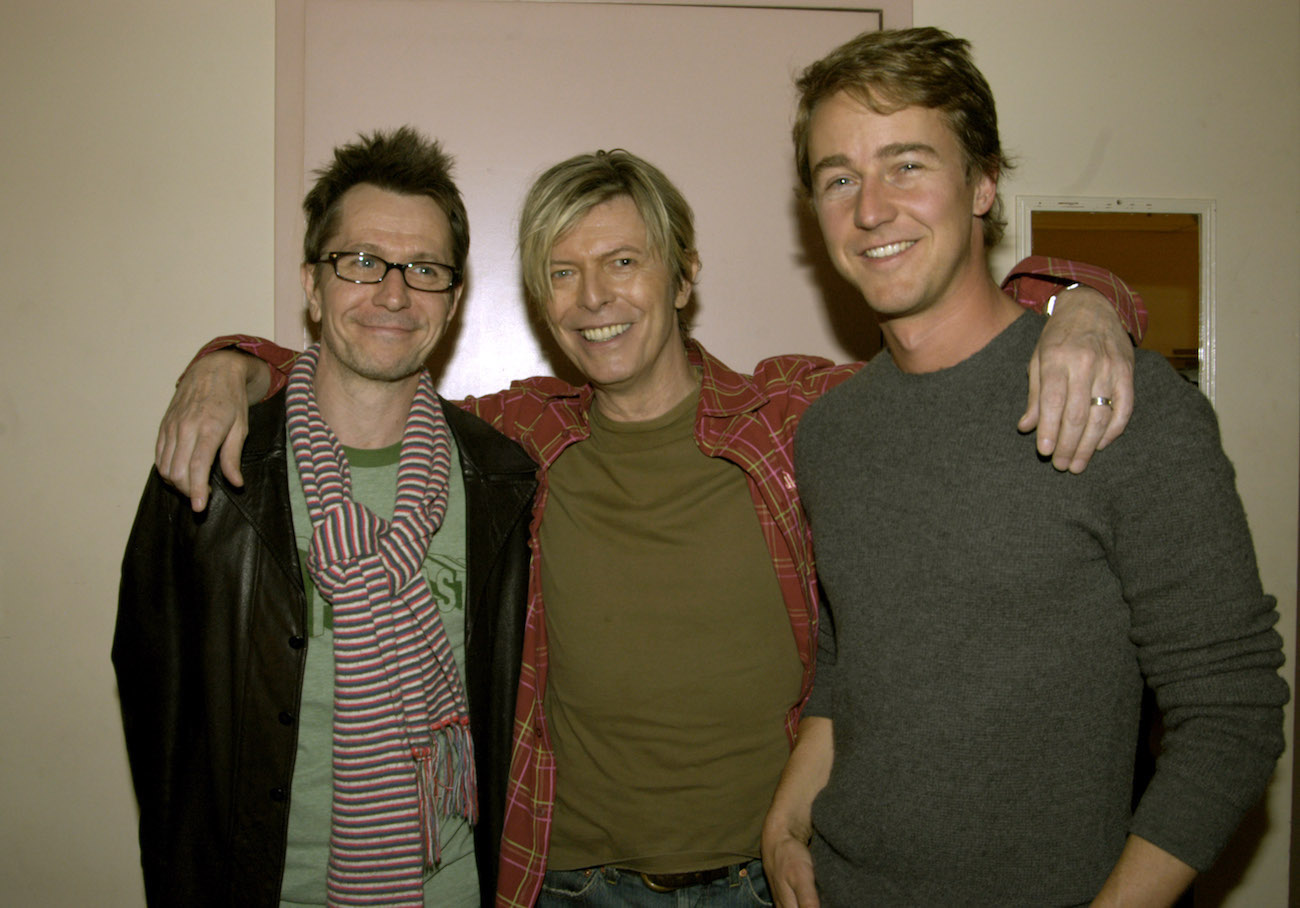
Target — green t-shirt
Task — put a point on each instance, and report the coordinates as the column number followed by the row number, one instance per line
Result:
column 374, row 484
column 672, row 664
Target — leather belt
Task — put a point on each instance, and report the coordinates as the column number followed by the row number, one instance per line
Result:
column 670, row 882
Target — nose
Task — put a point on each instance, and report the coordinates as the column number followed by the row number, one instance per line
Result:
column 594, row 290
column 393, row 293
column 874, row 206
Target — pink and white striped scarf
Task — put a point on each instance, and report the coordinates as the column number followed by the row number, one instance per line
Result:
column 402, row 750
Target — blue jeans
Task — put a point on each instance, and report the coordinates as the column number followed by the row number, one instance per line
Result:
column 608, row 887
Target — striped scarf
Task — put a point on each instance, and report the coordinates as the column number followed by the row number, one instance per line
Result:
column 402, row 750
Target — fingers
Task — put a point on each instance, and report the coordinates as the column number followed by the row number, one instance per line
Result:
column 1072, row 417
column 1095, row 418
column 1049, row 408
column 805, row 890
column 231, row 449
column 788, row 866
column 1080, row 359
column 1029, row 420
column 1123, row 398
column 1099, row 417
column 208, row 413
column 173, row 465
column 1099, row 423
column 199, row 498
column 207, row 431
column 1071, row 404
column 178, row 457
column 796, row 889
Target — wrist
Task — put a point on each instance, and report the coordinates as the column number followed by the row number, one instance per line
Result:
column 780, row 825
column 257, row 375
column 1050, row 306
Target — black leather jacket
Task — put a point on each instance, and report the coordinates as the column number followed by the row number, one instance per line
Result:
column 209, row 653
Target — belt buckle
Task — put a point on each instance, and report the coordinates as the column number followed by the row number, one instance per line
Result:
column 653, row 886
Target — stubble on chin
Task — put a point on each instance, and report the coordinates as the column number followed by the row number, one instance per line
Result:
column 353, row 362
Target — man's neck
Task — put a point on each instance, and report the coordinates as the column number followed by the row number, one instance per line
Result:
column 946, row 335
column 363, row 413
column 649, row 396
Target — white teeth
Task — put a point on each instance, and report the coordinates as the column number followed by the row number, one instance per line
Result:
column 881, row 252
column 604, row 333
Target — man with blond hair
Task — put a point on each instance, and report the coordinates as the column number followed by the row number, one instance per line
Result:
column 672, row 577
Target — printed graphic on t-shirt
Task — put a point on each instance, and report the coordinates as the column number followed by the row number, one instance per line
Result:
column 444, row 575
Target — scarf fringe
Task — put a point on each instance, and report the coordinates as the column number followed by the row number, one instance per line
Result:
column 447, row 783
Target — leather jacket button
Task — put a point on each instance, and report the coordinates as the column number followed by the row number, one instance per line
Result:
column 286, row 717
column 279, row 794
column 296, row 642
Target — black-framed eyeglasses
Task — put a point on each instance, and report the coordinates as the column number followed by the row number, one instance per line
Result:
column 368, row 268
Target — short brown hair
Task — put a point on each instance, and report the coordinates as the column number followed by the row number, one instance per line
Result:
column 401, row 161
column 912, row 67
column 563, row 194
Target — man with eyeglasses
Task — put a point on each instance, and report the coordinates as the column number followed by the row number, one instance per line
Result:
column 672, row 576
column 317, row 674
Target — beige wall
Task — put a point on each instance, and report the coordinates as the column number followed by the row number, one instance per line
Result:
column 136, row 182
column 137, row 137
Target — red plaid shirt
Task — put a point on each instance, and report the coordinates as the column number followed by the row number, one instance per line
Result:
column 748, row 420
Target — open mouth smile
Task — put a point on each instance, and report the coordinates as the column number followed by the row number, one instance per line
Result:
column 604, row 333
column 884, row 252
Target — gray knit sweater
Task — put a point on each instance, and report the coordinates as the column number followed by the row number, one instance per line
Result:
column 994, row 621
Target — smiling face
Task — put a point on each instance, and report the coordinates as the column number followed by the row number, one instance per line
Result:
column 380, row 333
column 613, row 310
column 900, row 218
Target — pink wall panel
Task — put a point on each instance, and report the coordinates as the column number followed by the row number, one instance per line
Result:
column 512, row 87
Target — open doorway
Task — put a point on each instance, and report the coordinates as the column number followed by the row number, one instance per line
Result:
column 1162, row 247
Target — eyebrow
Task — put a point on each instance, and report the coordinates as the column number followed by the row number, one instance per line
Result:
column 885, row 151
column 372, row 249
column 901, row 148
column 627, row 248
column 826, row 163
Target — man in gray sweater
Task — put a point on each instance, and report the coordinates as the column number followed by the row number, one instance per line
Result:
column 971, row 734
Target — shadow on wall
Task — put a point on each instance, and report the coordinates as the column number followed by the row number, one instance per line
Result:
column 851, row 322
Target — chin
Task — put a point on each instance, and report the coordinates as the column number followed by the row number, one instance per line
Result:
column 386, row 369
column 603, row 374
column 380, row 362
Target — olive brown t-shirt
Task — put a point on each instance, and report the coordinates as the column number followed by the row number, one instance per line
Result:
column 672, row 664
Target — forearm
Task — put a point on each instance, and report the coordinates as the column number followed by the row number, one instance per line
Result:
column 257, row 373
column 787, row 862
column 805, row 775
column 262, row 382
column 1145, row 876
